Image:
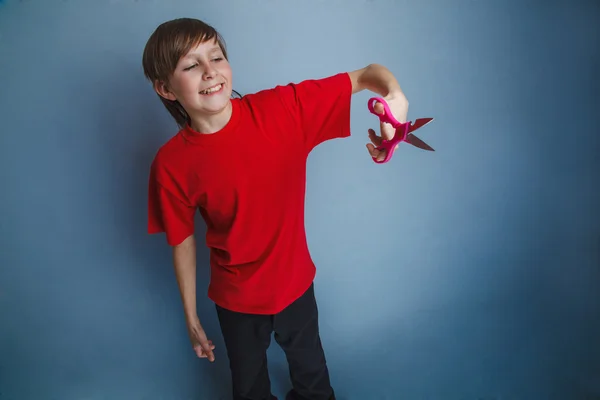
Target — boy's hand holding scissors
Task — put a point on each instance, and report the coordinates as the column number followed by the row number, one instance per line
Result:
column 392, row 113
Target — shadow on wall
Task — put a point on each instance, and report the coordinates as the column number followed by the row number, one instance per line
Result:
column 133, row 124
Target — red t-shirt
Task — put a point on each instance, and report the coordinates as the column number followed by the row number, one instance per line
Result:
column 248, row 181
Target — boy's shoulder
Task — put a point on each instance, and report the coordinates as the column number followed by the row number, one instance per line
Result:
column 304, row 90
column 169, row 151
column 264, row 95
column 271, row 102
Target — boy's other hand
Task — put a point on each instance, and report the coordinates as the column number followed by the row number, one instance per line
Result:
column 399, row 107
column 202, row 346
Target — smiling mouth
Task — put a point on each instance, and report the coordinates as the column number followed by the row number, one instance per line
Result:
column 213, row 89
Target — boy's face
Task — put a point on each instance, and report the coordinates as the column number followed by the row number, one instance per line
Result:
column 201, row 81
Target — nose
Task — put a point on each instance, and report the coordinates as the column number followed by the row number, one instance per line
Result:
column 209, row 72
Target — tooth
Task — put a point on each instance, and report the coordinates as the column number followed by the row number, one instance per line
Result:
column 211, row 90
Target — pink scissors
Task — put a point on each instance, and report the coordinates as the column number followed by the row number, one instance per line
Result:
column 403, row 130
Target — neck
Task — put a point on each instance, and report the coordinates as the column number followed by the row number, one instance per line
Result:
column 208, row 124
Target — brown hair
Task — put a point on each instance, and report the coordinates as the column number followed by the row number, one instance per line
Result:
column 165, row 47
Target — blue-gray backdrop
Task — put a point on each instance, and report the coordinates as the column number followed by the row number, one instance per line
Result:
column 468, row 273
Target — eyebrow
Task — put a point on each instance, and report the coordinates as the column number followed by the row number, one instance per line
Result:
column 215, row 49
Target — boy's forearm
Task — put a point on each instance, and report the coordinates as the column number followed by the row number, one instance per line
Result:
column 184, row 261
column 378, row 79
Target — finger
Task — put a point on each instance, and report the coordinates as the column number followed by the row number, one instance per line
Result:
column 376, row 140
column 208, row 351
column 387, row 131
column 207, row 346
column 383, row 126
column 211, row 356
column 373, row 152
column 205, row 351
column 199, row 352
column 379, row 109
column 202, row 354
column 376, row 154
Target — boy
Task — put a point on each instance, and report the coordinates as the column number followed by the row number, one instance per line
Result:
column 242, row 163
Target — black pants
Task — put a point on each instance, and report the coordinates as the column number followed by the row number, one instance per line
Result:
column 247, row 337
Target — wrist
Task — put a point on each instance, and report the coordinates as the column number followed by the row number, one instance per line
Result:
column 192, row 319
column 396, row 95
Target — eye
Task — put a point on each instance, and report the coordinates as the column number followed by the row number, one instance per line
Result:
column 218, row 59
column 190, row 67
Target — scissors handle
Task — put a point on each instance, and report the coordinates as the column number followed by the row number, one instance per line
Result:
column 390, row 145
column 387, row 113
column 401, row 129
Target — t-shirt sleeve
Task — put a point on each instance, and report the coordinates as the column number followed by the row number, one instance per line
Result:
column 319, row 107
column 169, row 211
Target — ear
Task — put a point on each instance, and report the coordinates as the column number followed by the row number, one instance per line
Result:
column 163, row 90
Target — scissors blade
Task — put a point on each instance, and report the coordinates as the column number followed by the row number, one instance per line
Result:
column 419, row 123
column 415, row 141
